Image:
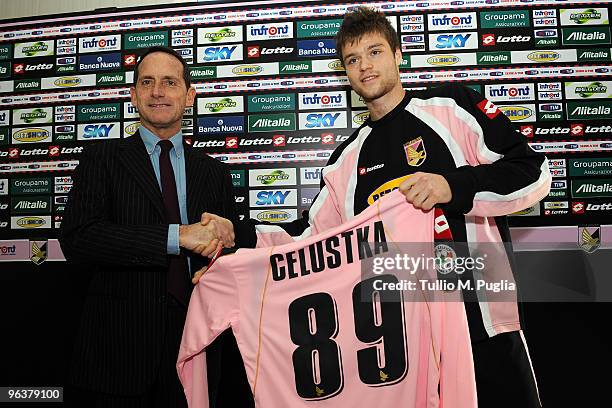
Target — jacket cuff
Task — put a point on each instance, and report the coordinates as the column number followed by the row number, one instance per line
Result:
column 463, row 188
column 245, row 235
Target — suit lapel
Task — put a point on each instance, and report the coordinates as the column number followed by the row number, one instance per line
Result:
column 197, row 186
column 136, row 160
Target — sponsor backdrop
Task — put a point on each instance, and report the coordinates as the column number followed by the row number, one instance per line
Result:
column 273, row 101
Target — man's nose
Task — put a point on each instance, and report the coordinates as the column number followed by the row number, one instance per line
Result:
column 365, row 64
column 158, row 89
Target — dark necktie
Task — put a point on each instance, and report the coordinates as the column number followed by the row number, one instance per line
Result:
column 177, row 284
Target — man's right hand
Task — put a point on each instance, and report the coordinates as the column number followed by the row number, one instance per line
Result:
column 223, row 228
column 199, row 239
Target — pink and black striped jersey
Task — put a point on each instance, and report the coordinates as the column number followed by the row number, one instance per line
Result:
column 450, row 130
column 314, row 331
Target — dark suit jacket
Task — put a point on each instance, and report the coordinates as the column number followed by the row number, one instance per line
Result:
column 114, row 225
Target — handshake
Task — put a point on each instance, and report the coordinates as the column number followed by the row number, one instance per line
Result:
column 207, row 236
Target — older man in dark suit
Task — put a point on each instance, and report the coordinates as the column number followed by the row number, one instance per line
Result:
column 133, row 217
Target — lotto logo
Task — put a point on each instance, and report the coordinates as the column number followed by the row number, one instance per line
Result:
column 129, row 60
column 278, row 140
column 488, row 108
column 14, row 153
column 19, row 68
column 527, row 131
column 231, row 142
column 327, row 138
column 361, row 171
column 577, row 129
column 253, row 52
column 488, row 39
column 578, row 207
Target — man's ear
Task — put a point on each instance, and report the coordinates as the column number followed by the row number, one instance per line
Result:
column 191, row 94
column 133, row 96
column 398, row 57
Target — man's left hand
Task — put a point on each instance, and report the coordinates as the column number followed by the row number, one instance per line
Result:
column 424, row 190
column 198, row 275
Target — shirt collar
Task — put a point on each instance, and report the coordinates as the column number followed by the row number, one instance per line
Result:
column 150, row 140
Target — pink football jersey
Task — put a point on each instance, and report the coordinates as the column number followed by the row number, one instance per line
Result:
column 314, row 331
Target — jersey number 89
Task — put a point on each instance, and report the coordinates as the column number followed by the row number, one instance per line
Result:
column 379, row 323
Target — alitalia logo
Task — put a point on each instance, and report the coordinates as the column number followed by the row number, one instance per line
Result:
column 591, row 89
column 493, row 57
column 599, row 55
column 592, row 188
column 580, row 36
column 109, row 79
column 29, row 205
column 35, row 83
column 218, row 106
column 295, row 67
column 589, row 110
column 201, row 73
column 586, row 35
column 265, row 123
column 546, row 41
column 268, row 123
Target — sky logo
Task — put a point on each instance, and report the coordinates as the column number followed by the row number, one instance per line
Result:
column 267, row 198
column 220, row 53
column 319, row 120
column 97, row 131
column 444, row 41
column 322, row 120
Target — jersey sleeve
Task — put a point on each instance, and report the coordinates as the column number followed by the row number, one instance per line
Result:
column 213, row 307
column 497, row 172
